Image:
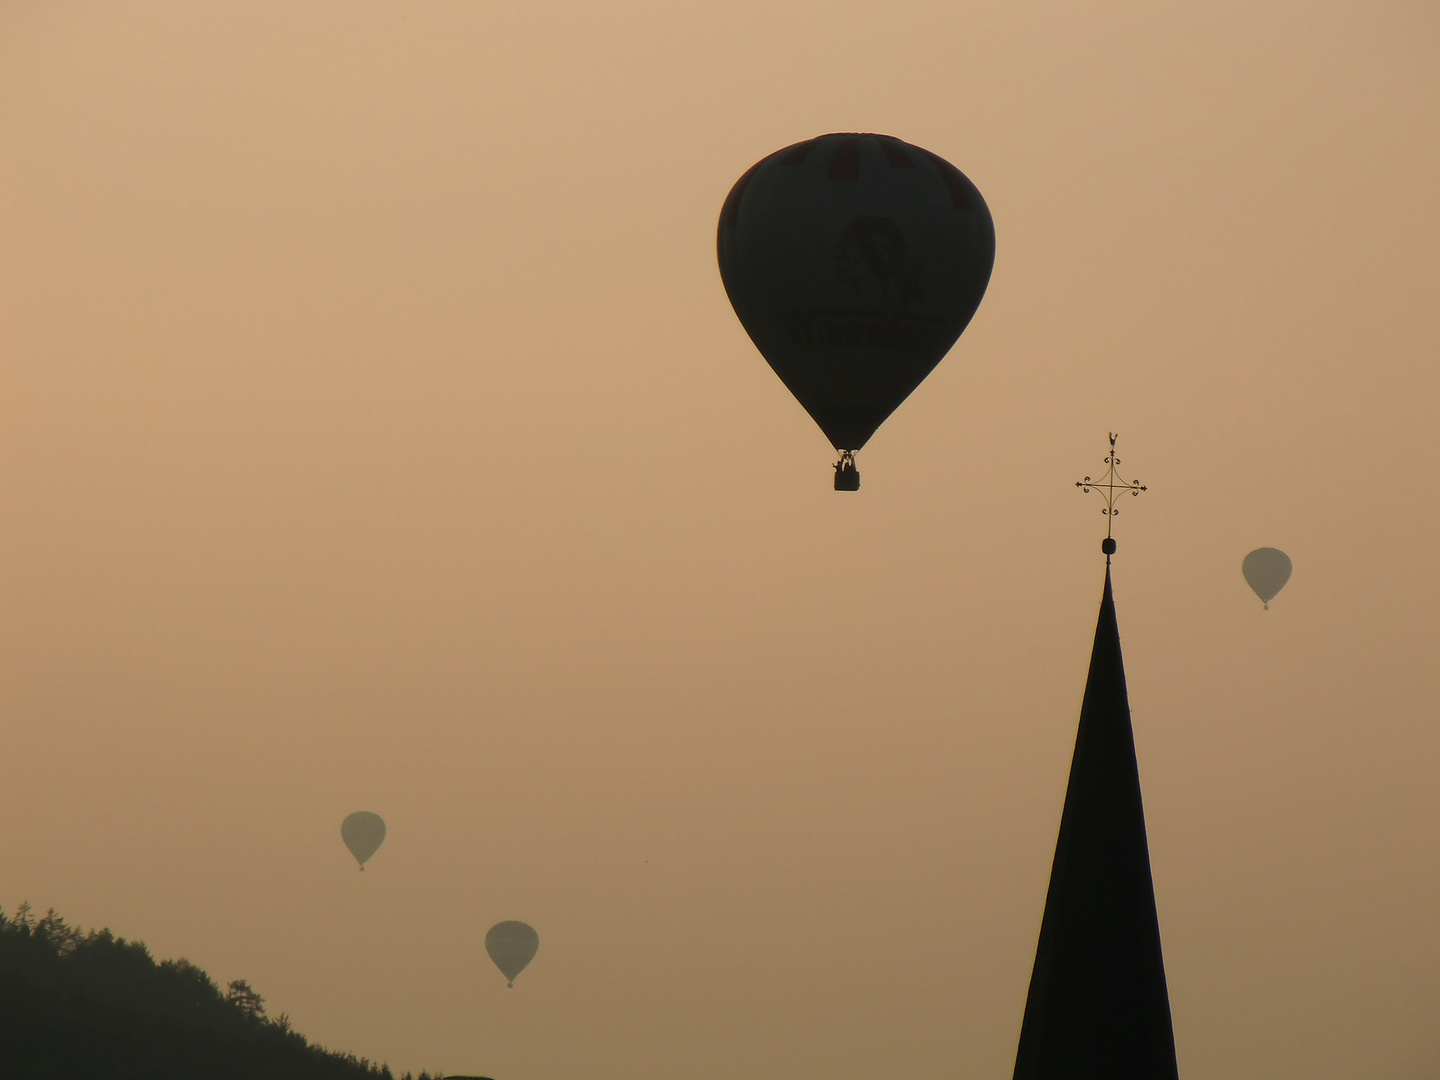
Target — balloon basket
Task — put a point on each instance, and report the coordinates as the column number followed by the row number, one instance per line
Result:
column 847, row 476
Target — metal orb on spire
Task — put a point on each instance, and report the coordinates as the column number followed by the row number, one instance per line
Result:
column 1110, row 485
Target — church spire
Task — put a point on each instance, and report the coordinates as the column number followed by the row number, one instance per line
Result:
column 1098, row 1008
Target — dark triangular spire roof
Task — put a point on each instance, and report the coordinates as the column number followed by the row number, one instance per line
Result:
column 1098, row 1008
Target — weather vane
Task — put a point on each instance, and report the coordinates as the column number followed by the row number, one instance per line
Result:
column 1110, row 485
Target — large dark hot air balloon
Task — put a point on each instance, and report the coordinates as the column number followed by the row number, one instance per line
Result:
column 854, row 262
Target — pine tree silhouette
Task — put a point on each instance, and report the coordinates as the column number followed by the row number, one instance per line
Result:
column 78, row 1005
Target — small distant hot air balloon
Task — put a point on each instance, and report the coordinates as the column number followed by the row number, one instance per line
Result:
column 1266, row 570
column 512, row 945
column 363, row 833
column 854, row 262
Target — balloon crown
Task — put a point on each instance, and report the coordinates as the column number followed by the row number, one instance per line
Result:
column 1110, row 485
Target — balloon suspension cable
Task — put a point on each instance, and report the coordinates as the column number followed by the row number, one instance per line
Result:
column 1110, row 485
column 847, row 476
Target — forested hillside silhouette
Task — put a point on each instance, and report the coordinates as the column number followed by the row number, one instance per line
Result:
column 93, row 1006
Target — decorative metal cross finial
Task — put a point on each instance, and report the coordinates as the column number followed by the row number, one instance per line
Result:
column 1110, row 485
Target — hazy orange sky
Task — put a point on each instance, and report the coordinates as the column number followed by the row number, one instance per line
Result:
column 377, row 435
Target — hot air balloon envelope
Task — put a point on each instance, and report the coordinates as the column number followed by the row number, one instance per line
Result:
column 1266, row 570
column 854, row 262
column 512, row 945
column 363, row 833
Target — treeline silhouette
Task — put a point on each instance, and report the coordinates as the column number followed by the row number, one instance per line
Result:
column 93, row 1006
